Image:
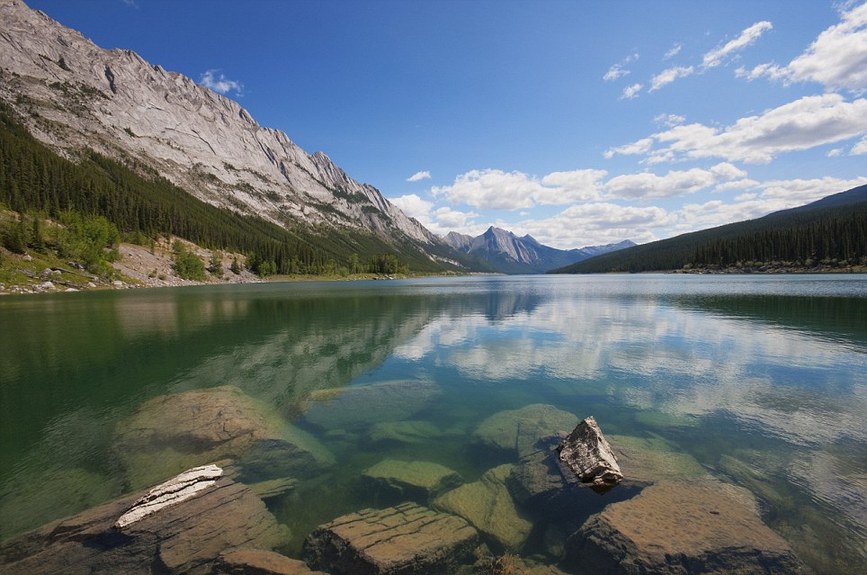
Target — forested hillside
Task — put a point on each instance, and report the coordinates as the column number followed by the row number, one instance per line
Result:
column 33, row 179
column 831, row 232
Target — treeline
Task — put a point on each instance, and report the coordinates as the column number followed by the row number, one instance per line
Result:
column 827, row 233
column 33, row 179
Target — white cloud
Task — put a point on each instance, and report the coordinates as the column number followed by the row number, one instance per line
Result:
column 835, row 153
column 615, row 72
column 800, row 191
column 670, row 75
column 800, row 125
column 649, row 185
column 496, row 189
column 595, row 224
column 837, row 58
column 215, row 80
column 631, row 92
column 742, row 184
column 860, row 148
column 418, row 176
column 413, row 206
column 669, row 120
column 673, row 51
column 717, row 56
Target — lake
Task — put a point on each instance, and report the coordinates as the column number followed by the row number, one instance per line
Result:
column 760, row 380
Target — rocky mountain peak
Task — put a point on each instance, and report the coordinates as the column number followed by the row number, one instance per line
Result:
column 74, row 95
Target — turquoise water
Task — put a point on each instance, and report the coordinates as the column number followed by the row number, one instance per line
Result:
column 759, row 379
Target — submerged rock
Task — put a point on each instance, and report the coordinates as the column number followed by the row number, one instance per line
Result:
column 259, row 562
column 404, row 431
column 173, row 492
column 648, row 460
column 186, row 537
column 364, row 405
column 414, row 480
column 587, row 453
column 403, row 540
column 518, row 430
column 174, row 432
column 488, row 506
column 674, row 528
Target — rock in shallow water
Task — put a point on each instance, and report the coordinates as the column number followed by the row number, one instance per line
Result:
column 183, row 538
column 518, row 430
column 416, row 480
column 404, row 540
column 673, row 528
column 587, row 453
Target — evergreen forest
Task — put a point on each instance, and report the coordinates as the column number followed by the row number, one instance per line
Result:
column 35, row 180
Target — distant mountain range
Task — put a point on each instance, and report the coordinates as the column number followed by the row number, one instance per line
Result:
column 830, row 232
column 505, row 252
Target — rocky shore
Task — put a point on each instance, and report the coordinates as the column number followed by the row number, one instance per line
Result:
column 208, row 467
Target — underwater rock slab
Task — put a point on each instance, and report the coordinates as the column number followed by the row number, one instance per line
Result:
column 402, row 540
column 415, row 480
column 364, row 405
column 677, row 527
column 587, row 453
column 183, row 538
column 259, row 562
column 407, row 432
column 174, row 432
column 518, row 430
column 488, row 506
column 648, row 460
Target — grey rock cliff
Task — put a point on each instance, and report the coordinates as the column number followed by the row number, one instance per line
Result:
column 75, row 95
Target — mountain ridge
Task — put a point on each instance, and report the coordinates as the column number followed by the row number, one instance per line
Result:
column 507, row 253
column 74, row 95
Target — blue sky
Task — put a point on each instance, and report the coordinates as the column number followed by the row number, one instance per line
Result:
column 578, row 122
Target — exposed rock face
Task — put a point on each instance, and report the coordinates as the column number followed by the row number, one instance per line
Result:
column 415, row 480
column 403, row 540
column 183, row 538
column 675, row 528
column 518, row 430
column 173, row 432
column 488, row 505
column 365, row 405
column 587, row 453
column 83, row 96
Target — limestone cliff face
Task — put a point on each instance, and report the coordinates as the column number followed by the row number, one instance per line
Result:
column 75, row 95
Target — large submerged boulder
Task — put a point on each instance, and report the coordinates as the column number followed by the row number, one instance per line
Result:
column 184, row 535
column 517, row 430
column 488, row 506
column 677, row 527
column 587, row 453
column 404, row 540
column 365, row 405
column 409, row 480
column 174, row 432
column 648, row 460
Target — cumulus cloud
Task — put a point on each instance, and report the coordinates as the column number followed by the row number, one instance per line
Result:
column 596, row 224
column 649, row 185
column 837, row 58
column 215, row 80
column 860, row 148
column 496, row 189
column 673, row 51
column 413, row 206
column 670, row 75
column 419, row 176
column 800, row 125
column 631, row 92
column 717, row 56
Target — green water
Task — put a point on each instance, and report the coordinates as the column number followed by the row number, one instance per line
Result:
column 760, row 379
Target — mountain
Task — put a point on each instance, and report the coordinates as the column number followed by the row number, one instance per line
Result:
column 75, row 97
column 831, row 231
column 507, row 253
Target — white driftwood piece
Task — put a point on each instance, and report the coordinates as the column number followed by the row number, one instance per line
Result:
column 174, row 491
